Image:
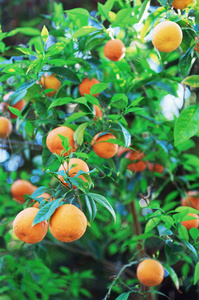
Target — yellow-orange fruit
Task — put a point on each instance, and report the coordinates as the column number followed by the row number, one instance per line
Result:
column 21, row 187
column 5, row 127
column 167, row 36
column 72, row 171
column 85, row 86
column 19, row 105
column 114, row 50
column 54, row 143
column 196, row 48
column 192, row 199
column 50, row 82
column 98, row 112
column 181, row 4
column 150, row 272
column 158, row 168
column 23, row 229
column 102, row 147
column 68, row 223
column 46, row 196
column 191, row 223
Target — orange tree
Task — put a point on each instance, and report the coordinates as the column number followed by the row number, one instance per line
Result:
column 109, row 128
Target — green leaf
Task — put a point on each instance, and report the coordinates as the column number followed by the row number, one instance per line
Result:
column 103, row 11
column 194, row 233
column 28, row 31
column 75, row 116
column 104, row 202
column 183, row 233
column 192, row 80
column 40, row 190
column 185, row 62
column 173, row 276
column 190, row 247
column 126, row 134
column 16, row 112
column 26, row 51
column 123, row 296
column 55, row 49
column 152, row 223
column 119, row 101
column 91, row 206
column 84, row 31
column 187, row 124
column 92, row 99
column 66, row 73
column 44, row 34
column 46, row 211
column 143, row 9
column 124, row 17
column 79, row 133
column 78, row 12
column 196, row 273
column 61, row 101
column 29, row 129
column 98, row 88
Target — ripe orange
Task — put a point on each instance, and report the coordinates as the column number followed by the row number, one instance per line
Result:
column 68, row 223
column 114, row 50
column 150, row 272
column 98, row 112
column 181, row 4
column 46, row 196
column 158, row 168
column 21, row 187
column 72, row 171
column 136, row 165
column 50, row 82
column 54, row 143
column 103, row 148
column 191, row 223
column 23, row 229
column 192, row 199
column 167, row 36
column 85, row 86
column 19, row 105
column 5, row 127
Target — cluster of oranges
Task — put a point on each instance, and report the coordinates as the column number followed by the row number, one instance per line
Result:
column 191, row 200
column 137, row 164
column 67, row 224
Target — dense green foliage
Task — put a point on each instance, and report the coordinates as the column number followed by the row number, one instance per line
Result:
column 149, row 102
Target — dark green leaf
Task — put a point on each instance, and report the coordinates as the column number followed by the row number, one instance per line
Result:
column 61, row 101
column 187, row 124
column 173, row 276
column 66, row 73
column 104, row 202
column 123, row 296
column 196, row 273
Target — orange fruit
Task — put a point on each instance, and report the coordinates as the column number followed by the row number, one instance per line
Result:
column 21, row 187
column 192, row 199
column 23, row 229
column 5, row 127
column 85, row 86
column 46, row 196
column 136, row 165
column 181, row 4
column 72, row 171
column 167, row 36
column 191, row 223
column 114, row 50
column 68, row 223
column 158, row 168
column 103, row 148
column 54, row 143
column 98, row 112
column 50, row 82
column 150, row 272
column 19, row 105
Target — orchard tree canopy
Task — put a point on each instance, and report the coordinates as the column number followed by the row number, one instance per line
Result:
column 99, row 165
